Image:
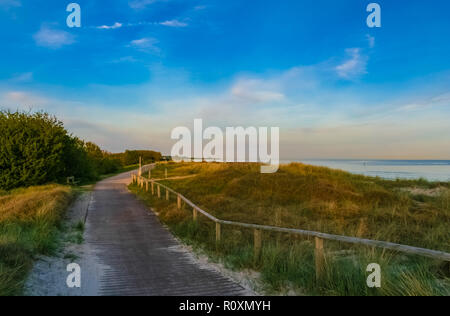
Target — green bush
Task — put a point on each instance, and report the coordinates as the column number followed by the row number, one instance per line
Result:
column 35, row 149
column 131, row 157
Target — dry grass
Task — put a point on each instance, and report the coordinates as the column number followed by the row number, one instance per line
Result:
column 320, row 199
column 29, row 221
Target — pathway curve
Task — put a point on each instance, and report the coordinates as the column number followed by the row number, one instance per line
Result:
column 139, row 255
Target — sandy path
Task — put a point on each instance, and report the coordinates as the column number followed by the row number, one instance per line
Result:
column 128, row 252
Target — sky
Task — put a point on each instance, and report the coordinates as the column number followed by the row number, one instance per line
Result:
column 137, row 69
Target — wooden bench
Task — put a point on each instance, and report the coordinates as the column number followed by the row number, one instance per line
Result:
column 71, row 181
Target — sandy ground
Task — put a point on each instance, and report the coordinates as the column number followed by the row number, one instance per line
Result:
column 49, row 274
column 427, row 192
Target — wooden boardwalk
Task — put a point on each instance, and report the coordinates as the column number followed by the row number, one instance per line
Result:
column 140, row 255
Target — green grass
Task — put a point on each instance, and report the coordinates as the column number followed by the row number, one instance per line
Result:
column 30, row 221
column 319, row 199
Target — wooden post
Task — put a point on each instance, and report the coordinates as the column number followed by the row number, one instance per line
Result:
column 195, row 214
column 159, row 191
column 257, row 243
column 150, row 174
column 146, row 187
column 179, row 201
column 319, row 258
column 167, row 194
column 153, row 188
column 140, row 166
column 218, row 233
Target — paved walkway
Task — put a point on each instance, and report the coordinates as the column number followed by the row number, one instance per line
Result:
column 140, row 256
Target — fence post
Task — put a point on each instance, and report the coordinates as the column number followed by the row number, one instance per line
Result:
column 195, row 214
column 319, row 258
column 179, row 201
column 257, row 243
column 218, row 233
column 150, row 174
column 153, row 188
column 167, row 194
column 146, row 186
column 159, row 191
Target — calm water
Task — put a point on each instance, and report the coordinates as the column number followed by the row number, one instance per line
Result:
column 433, row 170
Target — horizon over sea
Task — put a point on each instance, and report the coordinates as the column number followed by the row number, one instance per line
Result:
column 432, row 170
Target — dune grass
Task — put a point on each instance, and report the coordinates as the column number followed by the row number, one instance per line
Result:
column 320, row 199
column 29, row 223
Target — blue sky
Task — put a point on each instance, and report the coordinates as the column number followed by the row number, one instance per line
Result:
column 136, row 69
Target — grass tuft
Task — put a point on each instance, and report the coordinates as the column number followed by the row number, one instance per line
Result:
column 29, row 223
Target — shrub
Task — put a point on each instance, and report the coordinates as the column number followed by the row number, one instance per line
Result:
column 36, row 149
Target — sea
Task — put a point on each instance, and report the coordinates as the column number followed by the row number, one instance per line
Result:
column 431, row 170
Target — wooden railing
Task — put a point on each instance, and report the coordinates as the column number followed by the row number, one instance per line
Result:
column 319, row 237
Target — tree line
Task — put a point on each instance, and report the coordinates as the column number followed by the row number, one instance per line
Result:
column 35, row 149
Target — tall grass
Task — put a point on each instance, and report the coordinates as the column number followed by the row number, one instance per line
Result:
column 314, row 198
column 29, row 222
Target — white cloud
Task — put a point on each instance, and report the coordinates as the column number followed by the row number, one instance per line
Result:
column 21, row 100
column 116, row 25
column 147, row 44
column 420, row 105
column 353, row 67
column 52, row 38
column 255, row 91
column 174, row 23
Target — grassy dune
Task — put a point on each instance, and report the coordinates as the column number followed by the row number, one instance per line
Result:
column 320, row 199
column 29, row 222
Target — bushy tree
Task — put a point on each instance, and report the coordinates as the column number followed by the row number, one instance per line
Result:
column 131, row 157
column 35, row 148
column 102, row 161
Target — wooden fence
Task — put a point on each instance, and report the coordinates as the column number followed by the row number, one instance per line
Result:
column 319, row 237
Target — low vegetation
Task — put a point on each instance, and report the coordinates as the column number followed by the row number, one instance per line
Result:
column 319, row 199
column 30, row 220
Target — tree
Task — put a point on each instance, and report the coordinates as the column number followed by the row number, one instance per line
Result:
column 36, row 149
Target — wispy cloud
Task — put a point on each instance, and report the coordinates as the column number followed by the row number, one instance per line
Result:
column 174, row 23
column 354, row 66
column 146, row 44
column 53, row 38
column 116, row 25
column 255, row 91
column 427, row 104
